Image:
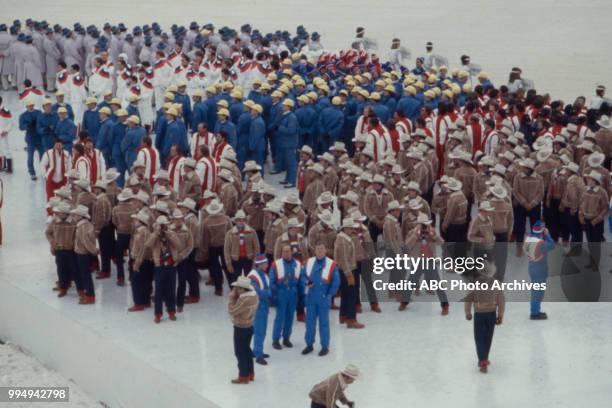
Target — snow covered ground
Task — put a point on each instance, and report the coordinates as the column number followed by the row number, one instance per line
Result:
column 19, row 369
column 417, row 358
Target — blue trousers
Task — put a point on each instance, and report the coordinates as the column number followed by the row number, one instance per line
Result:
column 285, row 311
column 317, row 310
column 287, row 160
column 119, row 162
column 484, row 325
column 66, row 268
column 83, row 265
column 165, row 289
column 241, row 154
column 538, row 274
column 34, row 147
column 142, row 283
column 259, row 328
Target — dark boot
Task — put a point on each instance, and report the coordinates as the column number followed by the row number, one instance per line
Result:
column 9, row 166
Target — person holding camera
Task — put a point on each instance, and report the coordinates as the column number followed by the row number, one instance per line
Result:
column 243, row 303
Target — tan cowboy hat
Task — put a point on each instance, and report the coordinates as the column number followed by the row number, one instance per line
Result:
column 81, row 211
column 529, row 163
column 162, row 220
column 142, row 196
column 415, row 204
column 83, row 184
column 63, row 208
column 328, row 157
column 573, row 167
column 358, row 216
column 240, row 215
column 379, row 179
column 251, row 165
column 422, row 218
column 325, row 216
column 101, row 184
column 141, row 216
column 161, row 206
column 499, row 169
column 594, row 175
column 454, row 184
column 111, row 175
column 187, row 203
column 294, row 223
column 338, row 146
column 306, row 149
column 351, row 196
column 209, row 194
column 177, row 214
column 348, row 222
column 243, row 282
column 317, row 168
column 125, row 195
column 162, row 175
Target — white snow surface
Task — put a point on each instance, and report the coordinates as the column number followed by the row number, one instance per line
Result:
column 19, row 369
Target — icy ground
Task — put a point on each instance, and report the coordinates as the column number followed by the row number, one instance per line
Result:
column 19, row 369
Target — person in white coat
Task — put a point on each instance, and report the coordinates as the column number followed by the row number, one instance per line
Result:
column 52, row 58
column 5, row 43
column 32, row 67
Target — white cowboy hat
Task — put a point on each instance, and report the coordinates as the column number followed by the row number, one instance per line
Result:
column 486, row 206
column 162, row 220
column 529, row 163
column 498, row 191
column 328, row 157
column 454, row 184
column 294, row 223
column 306, row 149
column 594, row 175
column 63, row 208
column 422, row 218
column 394, row 205
column 83, row 184
column 215, row 207
column 351, row 196
column 111, row 175
column 605, row 122
column 141, row 216
column 596, row 159
column 325, row 216
column 292, row 198
column 209, row 194
column 177, row 214
column 142, row 196
column 348, row 223
column 187, row 203
column 379, row 179
column 317, row 168
column 251, row 165
column 240, row 215
column 325, row 197
column 125, row 195
column 338, row 146
column 161, row 191
column 543, row 155
column 573, row 167
column 161, row 206
column 358, row 216
column 162, row 175
column 415, row 204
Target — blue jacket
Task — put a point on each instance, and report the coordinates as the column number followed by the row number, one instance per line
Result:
column 255, row 96
column 288, row 131
column 266, row 103
column 411, row 107
column 183, row 99
column 230, row 129
column 307, row 120
column 160, row 129
column 257, row 135
column 66, row 131
column 68, row 107
column 91, row 123
column 319, row 290
column 236, row 109
column 175, row 135
column 199, row 114
column 119, row 130
column 382, row 112
column 243, row 129
column 130, row 144
column 331, row 122
column 45, row 126
column 289, row 283
column 262, row 288
column 27, row 123
column 104, row 139
column 133, row 110
column 275, row 117
column 547, row 245
column 211, row 105
column 322, row 103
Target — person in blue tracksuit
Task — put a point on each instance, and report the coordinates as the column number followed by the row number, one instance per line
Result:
column 160, row 127
column 59, row 96
column 285, row 276
column 319, row 281
column 273, row 121
column 255, row 94
column 243, row 130
column 537, row 246
column 389, row 99
column 182, row 98
column 261, row 284
column 287, row 144
column 65, row 129
column 104, row 138
column 236, row 107
column 331, row 124
column 91, row 119
column 199, row 111
column 257, row 137
column 307, row 121
column 132, row 141
column 211, row 105
column 382, row 112
column 27, row 123
column 45, row 125
column 119, row 131
column 175, row 135
column 410, row 104
column 223, row 123
column 132, row 108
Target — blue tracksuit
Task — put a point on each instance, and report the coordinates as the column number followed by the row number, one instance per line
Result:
column 27, row 123
column 130, row 144
column 257, row 141
column 91, row 123
column 307, row 125
column 244, row 127
column 318, row 291
column 331, row 124
column 261, row 283
column 382, row 112
column 45, row 127
column 411, row 106
column 119, row 130
column 255, row 96
column 236, row 109
column 199, row 114
column 273, row 121
column 175, row 135
column 266, row 102
column 68, row 107
column 538, row 265
column 211, row 106
column 104, row 140
column 230, row 129
column 133, row 110
column 66, row 131
column 286, row 158
column 160, row 129
column 183, row 99
column 284, row 283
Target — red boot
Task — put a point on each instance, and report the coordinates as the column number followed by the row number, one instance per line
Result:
column 172, row 316
column 87, row 300
column 218, row 292
column 120, row 281
column 241, row 380
column 444, row 310
column 402, row 306
column 136, row 308
column 354, row 324
column 375, row 308
column 192, row 299
column 342, row 319
column 301, row 317
column 157, row 318
column 252, row 377
column 81, row 293
column 62, row 293
column 483, row 366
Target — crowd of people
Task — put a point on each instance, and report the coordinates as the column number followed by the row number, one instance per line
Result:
column 154, row 145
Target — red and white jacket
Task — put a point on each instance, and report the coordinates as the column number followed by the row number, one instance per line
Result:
column 150, row 157
column 175, row 171
column 474, row 134
column 219, row 149
column 206, row 169
column 403, row 127
column 36, row 95
column 54, row 165
column 97, row 165
column 383, row 141
column 197, row 140
column 83, row 166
